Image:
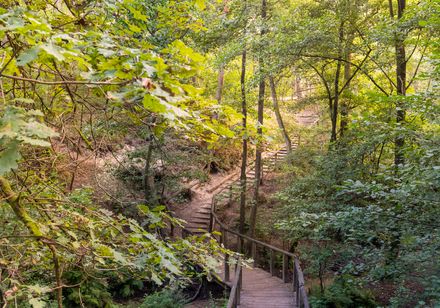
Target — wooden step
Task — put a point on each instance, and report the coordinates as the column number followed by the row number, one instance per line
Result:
column 204, row 210
column 203, row 215
column 198, row 221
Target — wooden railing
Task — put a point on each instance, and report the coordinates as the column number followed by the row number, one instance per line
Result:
column 298, row 286
column 288, row 258
column 298, row 277
column 241, row 240
column 234, row 296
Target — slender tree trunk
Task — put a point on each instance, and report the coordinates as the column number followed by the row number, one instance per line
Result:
column 334, row 110
column 401, row 86
column 347, row 75
column 276, row 109
column 243, row 179
column 220, row 83
column 399, row 142
column 259, row 150
column 8, row 195
column 148, row 184
column 298, row 88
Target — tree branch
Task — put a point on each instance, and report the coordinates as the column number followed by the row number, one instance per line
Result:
column 64, row 82
column 354, row 64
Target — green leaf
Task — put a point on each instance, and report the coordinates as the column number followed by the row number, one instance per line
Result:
column 137, row 14
column 9, row 157
column 153, row 104
column 37, row 303
column 54, row 51
column 28, row 56
column 135, row 28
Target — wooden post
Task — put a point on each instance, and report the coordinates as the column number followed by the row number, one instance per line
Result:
column 226, row 266
column 272, row 262
column 230, row 194
column 285, row 267
column 254, row 253
column 225, row 243
column 295, row 277
column 225, row 238
column 239, row 284
column 211, row 222
column 240, row 278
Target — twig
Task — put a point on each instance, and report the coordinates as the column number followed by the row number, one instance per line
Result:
column 63, row 82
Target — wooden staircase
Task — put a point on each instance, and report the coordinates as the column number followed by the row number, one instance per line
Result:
column 261, row 290
column 251, row 287
column 200, row 220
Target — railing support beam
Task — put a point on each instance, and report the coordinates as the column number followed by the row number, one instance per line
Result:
column 272, row 262
column 285, row 267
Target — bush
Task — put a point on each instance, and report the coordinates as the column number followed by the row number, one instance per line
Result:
column 92, row 293
column 164, row 299
column 341, row 294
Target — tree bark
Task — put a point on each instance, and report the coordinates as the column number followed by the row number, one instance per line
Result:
column 147, row 182
column 220, row 83
column 347, row 76
column 13, row 200
column 276, row 109
column 259, row 150
column 298, row 88
column 243, row 179
column 400, row 85
column 334, row 111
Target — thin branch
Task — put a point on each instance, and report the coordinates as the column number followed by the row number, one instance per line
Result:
column 417, row 68
column 354, row 64
column 63, row 82
column 347, row 82
column 415, row 47
column 393, row 85
column 324, row 81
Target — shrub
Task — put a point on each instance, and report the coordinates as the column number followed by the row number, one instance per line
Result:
column 342, row 294
column 164, row 299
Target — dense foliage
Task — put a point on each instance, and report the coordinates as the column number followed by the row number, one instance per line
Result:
column 109, row 108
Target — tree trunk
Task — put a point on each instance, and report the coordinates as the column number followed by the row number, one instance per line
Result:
column 220, row 83
column 8, row 195
column 298, row 89
column 335, row 107
column 259, row 150
column 276, row 109
column 147, row 183
column 347, row 76
column 401, row 86
column 244, row 153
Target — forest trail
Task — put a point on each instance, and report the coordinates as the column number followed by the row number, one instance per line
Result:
column 260, row 290
column 196, row 213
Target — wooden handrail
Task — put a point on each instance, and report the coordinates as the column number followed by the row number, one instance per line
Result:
column 234, row 296
column 298, row 277
column 299, row 286
column 244, row 236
